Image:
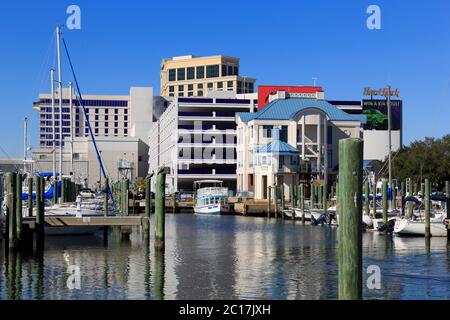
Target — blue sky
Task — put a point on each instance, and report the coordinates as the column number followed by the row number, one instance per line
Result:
column 279, row 42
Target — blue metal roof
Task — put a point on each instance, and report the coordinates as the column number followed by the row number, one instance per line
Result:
column 285, row 109
column 278, row 146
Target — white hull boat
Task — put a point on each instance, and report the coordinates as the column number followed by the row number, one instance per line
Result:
column 417, row 227
column 210, row 200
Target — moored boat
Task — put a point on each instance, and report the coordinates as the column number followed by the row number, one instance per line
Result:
column 212, row 199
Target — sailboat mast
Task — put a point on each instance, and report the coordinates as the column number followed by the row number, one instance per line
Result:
column 52, row 86
column 25, row 143
column 58, row 39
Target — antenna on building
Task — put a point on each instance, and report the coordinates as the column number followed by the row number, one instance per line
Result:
column 314, row 80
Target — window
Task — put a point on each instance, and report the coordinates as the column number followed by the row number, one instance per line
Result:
column 236, row 71
column 125, row 131
column 200, row 93
column 181, row 88
column 284, row 133
column 201, row 72
column 116, row 118
column 181, row 74
column 126, row 111
column 190, row 87
column 230, row 85
column 96, row 117
column 171, row 89
column 125, row 124
column 125, row 118
column 200, row 86
column 224, row 70
column 116, row 111
column 116, row 131
column 212, row 71
column 230, row 70
column 172, row 74
column 219, row 85
column 106, row 131
column 106, row 118
column 116, row 124
column 330, row 158
column 267, row 131
column 96, row 131
column 210, row 86
column 106, row 111
column 190, row 73
column 106, row 124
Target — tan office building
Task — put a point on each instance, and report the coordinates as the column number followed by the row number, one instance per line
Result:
column 189, row 76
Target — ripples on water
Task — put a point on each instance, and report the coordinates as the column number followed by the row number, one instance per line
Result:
column 226, row 257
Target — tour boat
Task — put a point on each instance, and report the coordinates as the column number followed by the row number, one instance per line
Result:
column 210, row 197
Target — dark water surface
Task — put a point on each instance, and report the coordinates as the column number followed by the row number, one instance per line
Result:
column 226, row 257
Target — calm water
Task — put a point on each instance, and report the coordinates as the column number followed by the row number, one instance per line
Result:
column 226, row 257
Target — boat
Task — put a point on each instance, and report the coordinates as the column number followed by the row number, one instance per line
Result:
column 210, row 197
column 415, row 225
column 411, row 227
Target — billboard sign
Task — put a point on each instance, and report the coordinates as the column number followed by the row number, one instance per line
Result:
column 377, row 115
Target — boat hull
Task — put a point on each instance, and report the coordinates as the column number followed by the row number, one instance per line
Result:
column 213, row 209
column 406, row 227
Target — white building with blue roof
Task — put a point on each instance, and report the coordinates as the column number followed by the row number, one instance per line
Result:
column 291, row 140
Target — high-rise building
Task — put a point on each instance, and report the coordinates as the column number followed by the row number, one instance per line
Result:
column 189, row 76
column 117, row 122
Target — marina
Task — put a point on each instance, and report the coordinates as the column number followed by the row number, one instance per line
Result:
column 258, row 172
column 236, row 257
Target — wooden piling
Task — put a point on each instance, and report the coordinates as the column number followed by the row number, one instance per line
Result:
column 30, row 197
column 282, row 201
column 269, row 206
column 55, row 191
column 427, row 208
column 126, row 189
column 366, row 198
column 148, row 208
column 320, row 197
column 275, row 200
column 384, row 199
column 394, row 198
column 350, row 220
column 39, row 182
column 293, row 202
column 447, row 193
column 403, row 195
column 18, row 208
column 160, row 212
column 302, row 201
column 11, row 209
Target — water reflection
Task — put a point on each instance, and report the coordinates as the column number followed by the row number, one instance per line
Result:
column 224, row 258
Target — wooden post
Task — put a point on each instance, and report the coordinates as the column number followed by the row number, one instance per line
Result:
column 126, row 187
column 320, row 197
column 366, row 198
column 174, row 202
column 410, row 194
column 427, row 208
column 63, row 190
column 275, row 200
column 11, row 209
column 293, row 202
column 19, row 208
column 415, row 189
column 384, row 200
column 394, row 198
column 447, row 192
column 282, row 201
column 106, row 209
column 269, row 195
column 403, row 198
column 39, row 182
column 55, row 191
column 302, row 201
column 30, row 197
column 160, row 210
column 350, row 220
column 148, row 208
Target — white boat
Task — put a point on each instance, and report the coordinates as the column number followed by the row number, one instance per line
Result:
column 411, row 227
column 212, row 199
column 298, row 214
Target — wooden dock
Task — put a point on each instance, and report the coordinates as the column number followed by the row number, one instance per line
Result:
column 71, row 221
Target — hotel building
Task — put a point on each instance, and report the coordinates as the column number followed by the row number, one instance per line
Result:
column 114, row 119
column 189, row 76
column 289, row 140
column 196, row 139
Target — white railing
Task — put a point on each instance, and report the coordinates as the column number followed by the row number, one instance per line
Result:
column 212, row 191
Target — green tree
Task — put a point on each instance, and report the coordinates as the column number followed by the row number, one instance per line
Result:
column 428, row 158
